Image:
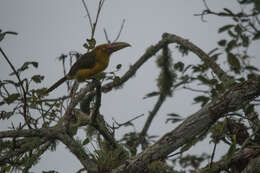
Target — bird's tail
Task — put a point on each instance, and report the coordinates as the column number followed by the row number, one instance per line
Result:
column 58, row 83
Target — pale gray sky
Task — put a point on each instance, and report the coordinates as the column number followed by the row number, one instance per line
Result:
column 51, row 27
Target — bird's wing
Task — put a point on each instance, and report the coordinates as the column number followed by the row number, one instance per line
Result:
column 86, row 61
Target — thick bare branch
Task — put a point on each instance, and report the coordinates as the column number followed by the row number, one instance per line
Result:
column 231, row 100
column 150, row 52
column 239, row 159
column 99, row 124
column 43, row 132
column 254, row 164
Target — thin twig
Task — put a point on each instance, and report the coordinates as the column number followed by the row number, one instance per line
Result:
column 23, row 89
column 54, row 99
column 106, row 36
column 81, row 170
column 213, row 154
column 88, row 14
column 174, row 154
column 195, row 90
column 205, row 4
column 152, row 114
column 100, row 4
column 121, row 28
column 127, row 122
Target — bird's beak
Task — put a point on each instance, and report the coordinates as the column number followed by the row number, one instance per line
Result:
column 113, row 47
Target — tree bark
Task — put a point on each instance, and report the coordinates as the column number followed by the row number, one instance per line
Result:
column 233, row 99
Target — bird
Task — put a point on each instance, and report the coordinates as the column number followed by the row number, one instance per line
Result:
column 90, row 63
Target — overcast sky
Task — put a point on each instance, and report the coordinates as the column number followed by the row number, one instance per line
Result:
column 49, row 28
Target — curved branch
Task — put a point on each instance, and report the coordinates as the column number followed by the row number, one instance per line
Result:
column 172, row 38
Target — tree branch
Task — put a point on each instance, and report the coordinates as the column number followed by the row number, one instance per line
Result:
column 68, row 114
column 152, row 114
column 34, row 157
column 25, row 146
column 42, row 132
column 77, row 149
column 97, row 105
column 237, row 159
column 231, row 100
column 172, row 38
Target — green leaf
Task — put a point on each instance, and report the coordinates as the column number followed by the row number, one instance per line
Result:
column 5, row 115
column 257, row 5
column 219, row 128
column 251, row 76
column 151, row 94
column 238, row 29
column 201, row 99
column 11, row 98
column 257, row 36
column 25, row 66
column 232, row 148
column 234, row 63
column 222, row 42
column 37, row 78
column 231, row 45
column 186, row 68
column 212, row 51
column 2, row 103
column 86, row 141
column 179, row 66
column 174, row 118
column 220, row 87
column 39, row 92
column 232, row 34
column 91, row 43
column 100, row 76
column 245, row 40
column 228, row 11
column 118, row 66
column 183, row 50
column 251, row 68
column 203, row 79
column 249, row 109
column 215, row 56
column 224, row 28
column 223, row 14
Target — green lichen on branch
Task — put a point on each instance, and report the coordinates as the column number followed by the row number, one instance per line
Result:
column 167, row 75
